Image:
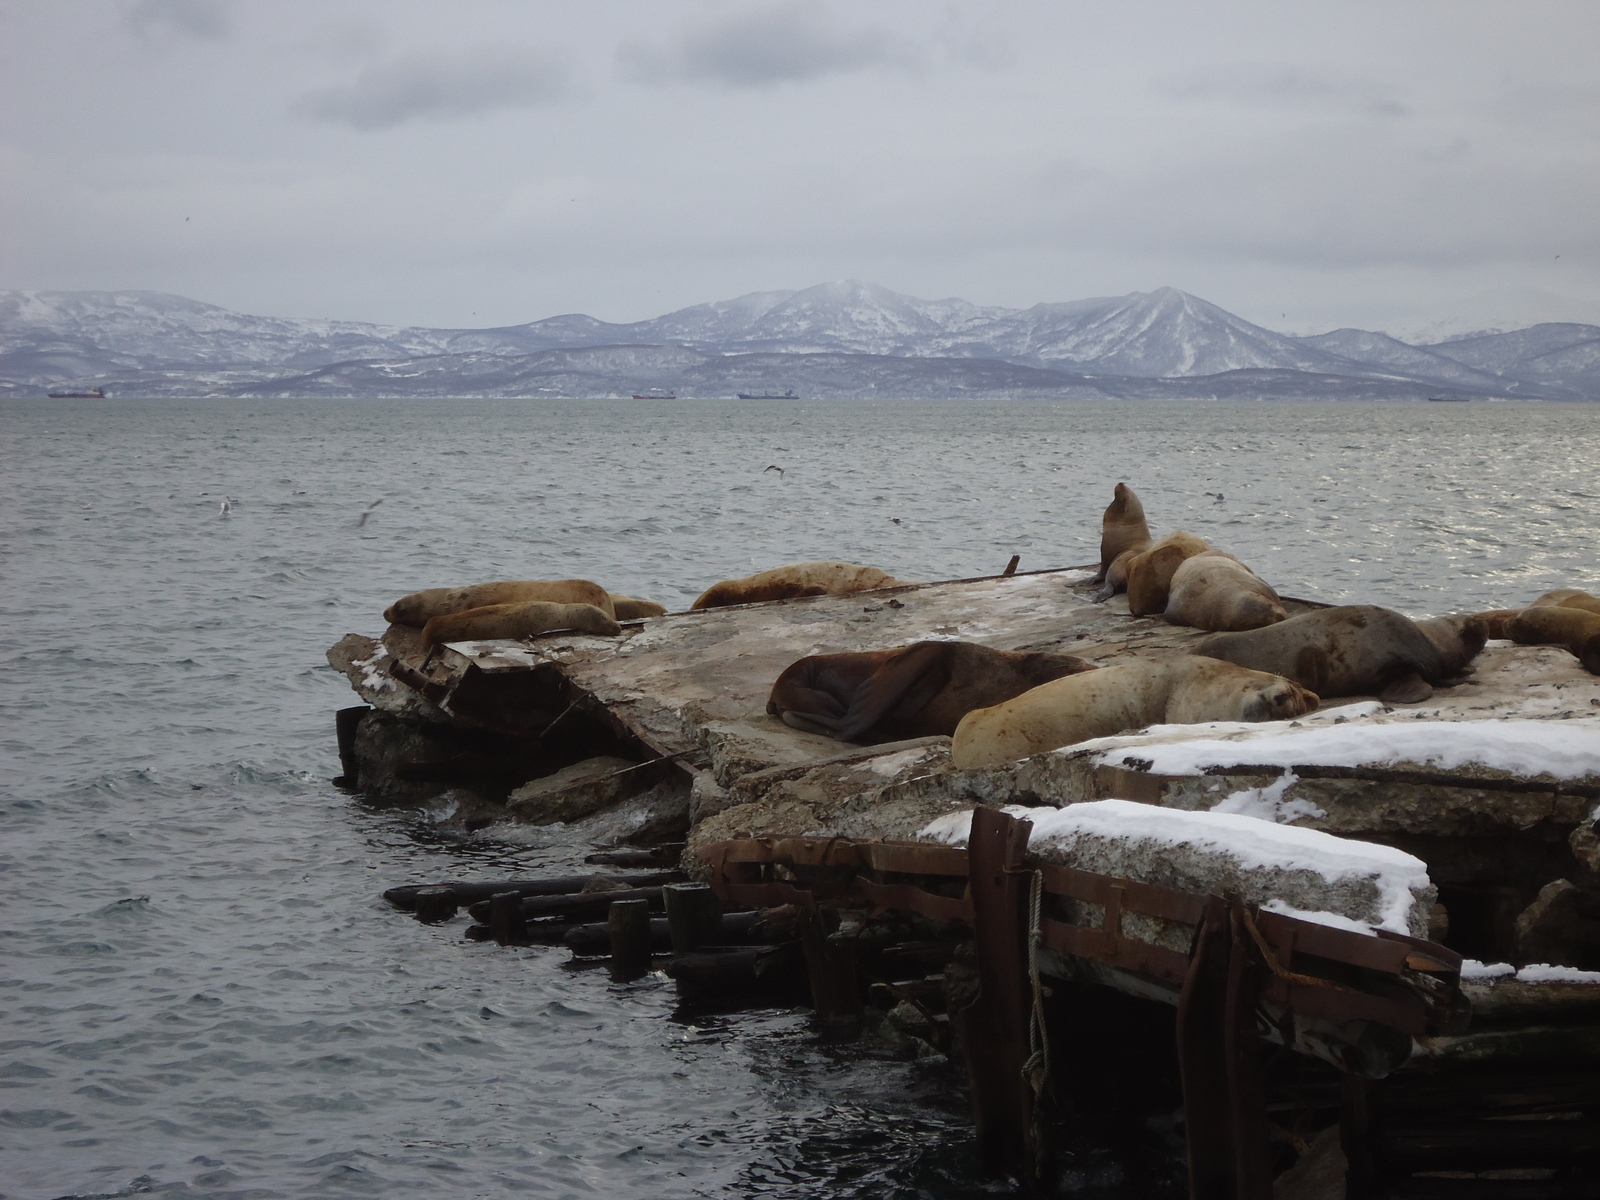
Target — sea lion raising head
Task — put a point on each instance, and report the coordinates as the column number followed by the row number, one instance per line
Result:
column 1355, row 650
column 1568, row 598
column 629, row 609
column 910, row 691
column 1214, row 590
column 1122, row 527
column 820, row 578
column 1122, row 698
column 419, row 608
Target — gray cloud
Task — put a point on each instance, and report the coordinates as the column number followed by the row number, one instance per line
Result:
column 777, row 43
column 1265, row 85
column 210, row 19
column 441, row 85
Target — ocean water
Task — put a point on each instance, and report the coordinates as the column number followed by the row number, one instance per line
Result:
column 201, row 994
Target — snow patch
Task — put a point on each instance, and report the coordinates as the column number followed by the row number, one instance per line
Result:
column 1268, row 803
column 1532, row 973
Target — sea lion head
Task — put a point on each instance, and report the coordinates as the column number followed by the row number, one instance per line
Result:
column 1279, row 701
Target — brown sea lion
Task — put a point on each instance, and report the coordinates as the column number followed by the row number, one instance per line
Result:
column 627, row 608
column 1121, row 698
column 1213, row 590
column 1568, row 598
column 494, row 621
column 420, row 607
column 1122, row 527
column 1150, row 573
column 820, row 578
column 1495, row 620
column 1355, row 650
column 1557, row 625
column 910, row 691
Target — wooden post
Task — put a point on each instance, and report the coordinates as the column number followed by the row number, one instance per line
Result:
column 629, row 921
column 344, row 726
column 1247, row 1092
column 435, row 904
column 995, row 1026
column 506, row 922
column 694, row 915
column 832, row 973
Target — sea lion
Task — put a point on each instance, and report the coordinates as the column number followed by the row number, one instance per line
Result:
column 1495, row 620
column 1214, row 590
column 627, row 608
column 820, row 578
column 493, row 621
column 1557, row 625
column 910, row 691
column 420, row 607
column 1121, row 698
column 1568, row 598
column 1122, row 527
column 1355, row 650
column 1150, row 572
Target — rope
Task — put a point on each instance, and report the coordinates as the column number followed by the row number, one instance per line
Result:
column 1037, row 1069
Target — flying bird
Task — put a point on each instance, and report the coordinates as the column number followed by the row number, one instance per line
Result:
column 776, row 468
column 227, row 506
column 368, row 513
column 1218, row 496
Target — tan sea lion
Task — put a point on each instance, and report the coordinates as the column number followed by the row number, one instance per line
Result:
column 910, row 691
column 420, row 607
column 1214, row 590
column 1355, row 650
column 1557, row 625
column 1122, row 527
column 1568, row 598
column 1121, row 698
column 820, row 578
column 627, row 608
column 1150, row 572
column 522, row 620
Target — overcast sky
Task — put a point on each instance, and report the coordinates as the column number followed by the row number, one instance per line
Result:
column 487, row 162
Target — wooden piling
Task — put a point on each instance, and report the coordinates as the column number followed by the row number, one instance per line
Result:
column 506, row 923
column 694, row 916
column 435, row 904
column 628, row 922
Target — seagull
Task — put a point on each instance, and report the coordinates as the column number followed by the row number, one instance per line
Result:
column 776, row 468
column 227, row 506
column 1218, row 495
column 368, row 513
column 896, row 520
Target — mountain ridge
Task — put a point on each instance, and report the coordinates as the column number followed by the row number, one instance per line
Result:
column 1164, row 341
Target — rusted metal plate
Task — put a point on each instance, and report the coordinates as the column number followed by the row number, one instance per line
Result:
column 910, row 898
column 1150, row 899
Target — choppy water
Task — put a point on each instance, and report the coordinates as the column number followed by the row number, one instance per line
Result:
column 200, row 992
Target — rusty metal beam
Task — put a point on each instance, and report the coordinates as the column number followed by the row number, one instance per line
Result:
column 995, row 1026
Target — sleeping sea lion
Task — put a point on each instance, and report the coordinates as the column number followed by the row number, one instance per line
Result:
column 629, row 609
column 910, row 691
column 494, row 621
column 1214, row 590
column 1121, row 698
column 420, row 607
column 1150, row 573
column 1122, row 528
column 1355, row 650
column 1495, row 620
column 1568, row 598
column 1557, row 625
column 821, row 578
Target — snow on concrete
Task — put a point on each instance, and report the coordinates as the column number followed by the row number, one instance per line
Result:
column 1312, row 871
column 1477, row 972
column 1563, row 749
column 1268, row 803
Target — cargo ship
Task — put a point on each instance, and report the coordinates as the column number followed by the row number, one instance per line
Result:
column 788, row 395
column 654, row 396
column 91, row 394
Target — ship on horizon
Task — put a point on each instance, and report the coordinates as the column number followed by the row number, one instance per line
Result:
column 788, row 395
column 91, row 394
column 655, row 396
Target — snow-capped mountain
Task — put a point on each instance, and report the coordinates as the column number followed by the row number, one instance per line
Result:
column 1164, row 342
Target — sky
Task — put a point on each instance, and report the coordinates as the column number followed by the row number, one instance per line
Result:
column 1409, row 165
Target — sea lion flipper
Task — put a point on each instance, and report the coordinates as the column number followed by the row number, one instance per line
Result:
column 907, row 681
column 1409, row 688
